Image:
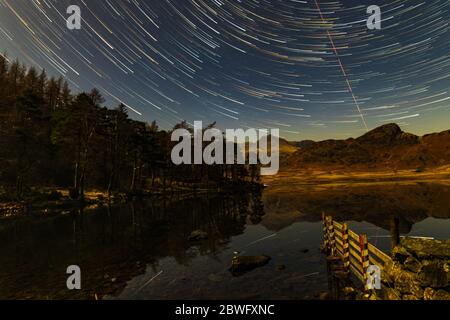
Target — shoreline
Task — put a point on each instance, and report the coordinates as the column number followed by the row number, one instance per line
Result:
column 41, row 206
column 320, row 177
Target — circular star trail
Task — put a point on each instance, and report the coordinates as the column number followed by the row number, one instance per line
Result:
column 311, row 68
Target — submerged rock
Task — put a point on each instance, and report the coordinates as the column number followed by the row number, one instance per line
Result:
column 242, row 264
column 323, row 295
column 215, row 277
column 198, row 235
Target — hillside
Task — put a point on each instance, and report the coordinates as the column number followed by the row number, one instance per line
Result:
column 285, row 148
column 384, row 148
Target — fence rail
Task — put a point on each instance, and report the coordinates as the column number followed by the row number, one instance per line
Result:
column 356, row 253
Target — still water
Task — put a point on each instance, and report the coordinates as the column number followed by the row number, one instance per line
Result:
column 141, row 250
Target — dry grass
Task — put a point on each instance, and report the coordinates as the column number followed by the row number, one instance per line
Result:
column 292, row 177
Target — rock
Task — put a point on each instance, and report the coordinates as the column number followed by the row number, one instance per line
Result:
column 412, row 264
column 428, row 293
column 392, row 294
column 340, row 274
column 373, row 296
column 242, row 264
column 281, row 267
column 400, row 254
column 407, row 283
column 324, row 296
column 215, row 277
column 348, row 290
column 363, row 296
column 441, row 295
column 349, row 293
column 387, row 275
column 198, row 235
column 409, row 297
column 427, row 248
column 433, row 274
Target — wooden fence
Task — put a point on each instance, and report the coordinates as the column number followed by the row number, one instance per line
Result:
column 356, row 252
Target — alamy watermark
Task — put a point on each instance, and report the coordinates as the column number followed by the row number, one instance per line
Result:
column 233, row 147
column 74, row 280
column 373, row 278
column 374, row 21
column 74, row 20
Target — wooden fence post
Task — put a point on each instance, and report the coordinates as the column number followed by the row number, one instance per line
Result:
column 332, row 240
column 345, row 246
column 395, row 234
column 363, row 243
column 325, row 231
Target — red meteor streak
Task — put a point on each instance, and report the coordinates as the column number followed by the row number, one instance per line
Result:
column 350, row 89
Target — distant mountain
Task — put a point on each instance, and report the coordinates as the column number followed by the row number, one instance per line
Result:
column 302, row 144
column 386, row 147
column 285, row 147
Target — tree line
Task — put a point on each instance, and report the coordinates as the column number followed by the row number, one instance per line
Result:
column 52, row 137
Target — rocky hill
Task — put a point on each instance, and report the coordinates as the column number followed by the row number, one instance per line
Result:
column 285, row 148
column 386, row 147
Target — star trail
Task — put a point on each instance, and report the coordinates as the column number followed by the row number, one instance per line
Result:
column 310, row 68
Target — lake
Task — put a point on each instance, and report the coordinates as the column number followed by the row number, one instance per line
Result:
column 141, row 250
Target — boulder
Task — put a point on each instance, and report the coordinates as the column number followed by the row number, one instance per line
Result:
column 409, row 297
column 427, row 248
column 324, row 296
column 407, row 282
column 392, row 294
column 242, row 264
column 349, row 293
column 400, row 254
column 412, row 264
column 441, row 295
column 215, row 277
column 418, row 264
column 198, row 235
column 428, row 293
column 433, row 274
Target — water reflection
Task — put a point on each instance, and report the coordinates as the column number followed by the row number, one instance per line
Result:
column 141, row 250
column 114, row 244
column 377, row 204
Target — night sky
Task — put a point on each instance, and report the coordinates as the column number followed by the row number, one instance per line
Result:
column 248, row 63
